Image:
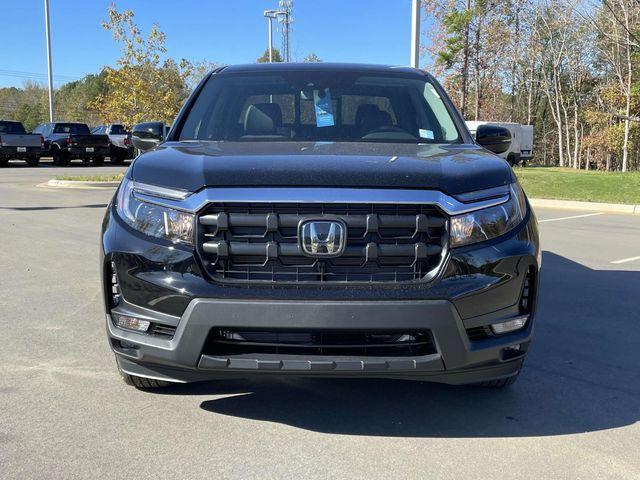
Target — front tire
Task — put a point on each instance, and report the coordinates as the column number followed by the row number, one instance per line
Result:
column 142, row 383
column 4, row 162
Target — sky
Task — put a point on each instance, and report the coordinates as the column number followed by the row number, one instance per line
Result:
column 221, row 31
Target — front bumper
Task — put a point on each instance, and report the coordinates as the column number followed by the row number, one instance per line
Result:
column 180, row 359
column 479, row 285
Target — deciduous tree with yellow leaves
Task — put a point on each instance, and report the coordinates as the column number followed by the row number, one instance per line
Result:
column 143, row 86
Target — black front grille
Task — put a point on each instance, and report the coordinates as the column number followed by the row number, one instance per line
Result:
column 225, row 342
column 258, row 242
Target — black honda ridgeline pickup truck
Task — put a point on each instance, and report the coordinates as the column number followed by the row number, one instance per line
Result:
column 320, row 220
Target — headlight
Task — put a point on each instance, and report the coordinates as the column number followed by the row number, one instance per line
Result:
column 151, row 219
column 489, row 222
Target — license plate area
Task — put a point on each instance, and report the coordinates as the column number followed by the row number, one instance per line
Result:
column 89, row 150
column 22, row 149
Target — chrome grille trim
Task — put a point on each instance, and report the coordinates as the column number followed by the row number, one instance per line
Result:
column 197, row 201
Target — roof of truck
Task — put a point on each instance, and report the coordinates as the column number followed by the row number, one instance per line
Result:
column 320, row 66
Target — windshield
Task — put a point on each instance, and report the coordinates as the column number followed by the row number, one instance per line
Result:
column 73, row 128
column 319, row 106
column 13, row 128
column 118, row 130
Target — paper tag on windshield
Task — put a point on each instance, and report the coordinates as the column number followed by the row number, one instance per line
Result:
column 324, row 108
column 428, row 134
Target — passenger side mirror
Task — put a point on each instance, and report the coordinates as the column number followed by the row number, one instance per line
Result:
column 494, row 138
column 145, row 136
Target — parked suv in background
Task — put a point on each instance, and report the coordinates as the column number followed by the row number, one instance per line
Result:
column 16, row 143
column 320, row 220
column 66, row 141
column 121, row 148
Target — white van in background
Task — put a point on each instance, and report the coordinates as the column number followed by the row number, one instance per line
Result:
column 521, row 147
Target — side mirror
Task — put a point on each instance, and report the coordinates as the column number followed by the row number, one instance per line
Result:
column 494, row 138
column 145, row 136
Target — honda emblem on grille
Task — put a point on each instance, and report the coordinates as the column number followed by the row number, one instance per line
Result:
column 322, row 238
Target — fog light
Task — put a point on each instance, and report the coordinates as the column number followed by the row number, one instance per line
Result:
column 132, row 323
column 512, row 351
column 128, row 345
column 510, row 325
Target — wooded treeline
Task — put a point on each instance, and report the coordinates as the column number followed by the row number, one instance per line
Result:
column 144, row 85
column 569, row 67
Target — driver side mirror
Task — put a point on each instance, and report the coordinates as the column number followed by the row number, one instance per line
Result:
column 494, row 138
column 145, row 136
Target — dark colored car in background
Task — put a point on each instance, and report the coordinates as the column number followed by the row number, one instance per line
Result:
column 121, row 148
column 66, row 141
column 320, row 220
column 16, row 143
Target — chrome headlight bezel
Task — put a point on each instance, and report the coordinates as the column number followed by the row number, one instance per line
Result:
column 488, row 223
column 150, row 218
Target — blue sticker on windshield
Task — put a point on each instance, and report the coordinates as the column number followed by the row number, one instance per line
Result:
column 324, row 108
column 426, row 134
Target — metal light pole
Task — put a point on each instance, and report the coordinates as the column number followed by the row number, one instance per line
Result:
column 415, row 33
column 48, row 33
column 270, row 41
column 270, row 15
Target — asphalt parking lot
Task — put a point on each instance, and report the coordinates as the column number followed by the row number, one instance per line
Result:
column 65, row 413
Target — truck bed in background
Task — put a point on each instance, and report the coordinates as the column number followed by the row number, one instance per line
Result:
column 16, row 143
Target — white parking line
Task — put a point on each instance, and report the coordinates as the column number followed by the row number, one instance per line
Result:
column 625, row 260
column 569, row 218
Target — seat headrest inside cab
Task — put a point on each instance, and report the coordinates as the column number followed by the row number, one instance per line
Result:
column 262, row 118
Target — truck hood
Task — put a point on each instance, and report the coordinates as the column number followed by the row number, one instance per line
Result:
column 193, row 165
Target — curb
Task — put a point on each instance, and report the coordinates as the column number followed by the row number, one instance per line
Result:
column 78, row 184
column 590, row 206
